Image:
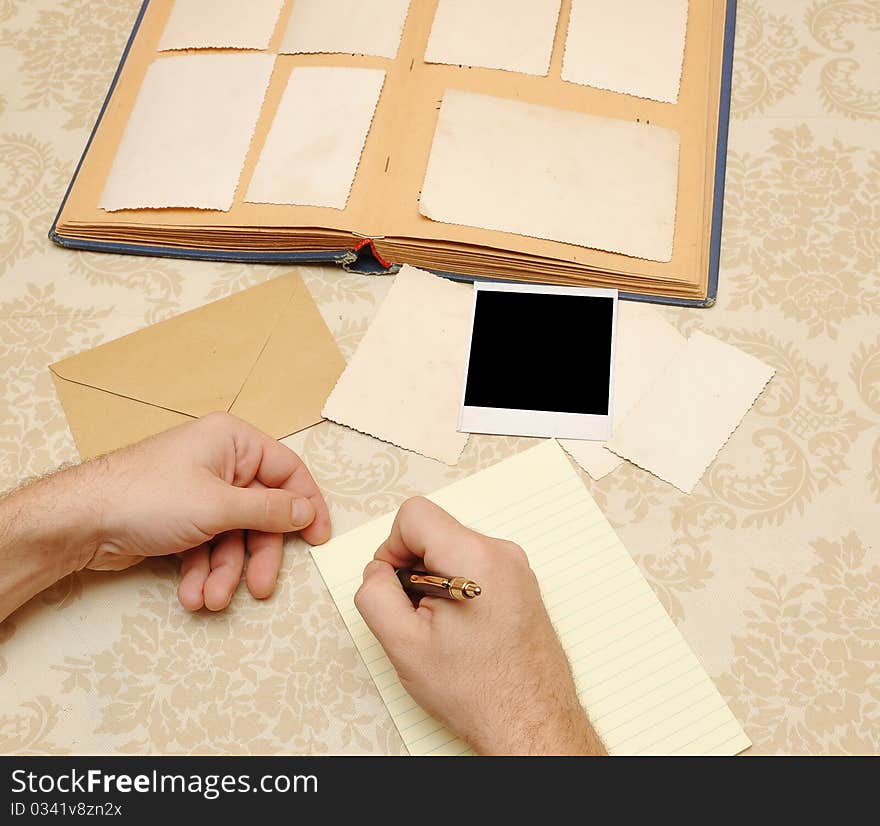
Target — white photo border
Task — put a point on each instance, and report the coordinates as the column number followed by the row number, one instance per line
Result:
column 538, row 423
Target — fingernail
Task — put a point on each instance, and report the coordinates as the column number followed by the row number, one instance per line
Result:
column 302, row 512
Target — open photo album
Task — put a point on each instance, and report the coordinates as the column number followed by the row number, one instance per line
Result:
column 568, row 142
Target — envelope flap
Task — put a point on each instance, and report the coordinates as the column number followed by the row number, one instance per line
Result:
column 194, row 363
column 295, row 373
column 102, row 422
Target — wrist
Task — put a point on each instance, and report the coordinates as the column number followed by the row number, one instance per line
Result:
column 562, row 729
column 75, row 527
column 48, row 529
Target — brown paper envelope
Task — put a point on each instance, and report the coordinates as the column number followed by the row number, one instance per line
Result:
column 264, row 354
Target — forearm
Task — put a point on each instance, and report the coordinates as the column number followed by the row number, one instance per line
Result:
column 48, row 530
column 543, row 713
column 562, row 728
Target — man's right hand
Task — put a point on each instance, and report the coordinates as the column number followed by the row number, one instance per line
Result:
column 491, row 669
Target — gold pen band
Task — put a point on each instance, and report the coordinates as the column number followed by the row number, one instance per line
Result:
column 462, row 588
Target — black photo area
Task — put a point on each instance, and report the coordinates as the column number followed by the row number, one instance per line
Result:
column 534, row 351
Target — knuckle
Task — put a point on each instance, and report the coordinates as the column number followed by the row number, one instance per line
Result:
column 504, row 552
column 276, row 508
column 216, row 416
column 414, row 505
column 362, row 596
column 373, row 565
column 481, row 548
column 218, row 420
column 515, row 552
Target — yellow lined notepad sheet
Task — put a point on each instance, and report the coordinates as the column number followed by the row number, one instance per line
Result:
column 643, row 687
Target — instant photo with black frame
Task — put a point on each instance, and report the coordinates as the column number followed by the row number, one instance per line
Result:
column 541, row 362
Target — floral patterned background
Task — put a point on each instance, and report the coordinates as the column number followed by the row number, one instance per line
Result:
column 771, row 568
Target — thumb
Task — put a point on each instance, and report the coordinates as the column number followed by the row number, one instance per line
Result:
column 263, row 509
column 384, row 605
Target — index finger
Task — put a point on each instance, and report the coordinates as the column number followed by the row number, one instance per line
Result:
column 275, row 465
column 385, row 607
column 424, row 532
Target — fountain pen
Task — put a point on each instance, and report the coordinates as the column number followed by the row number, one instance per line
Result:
column 437, row 585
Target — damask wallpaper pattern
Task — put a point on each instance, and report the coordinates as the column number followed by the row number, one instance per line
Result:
column 771, row 568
